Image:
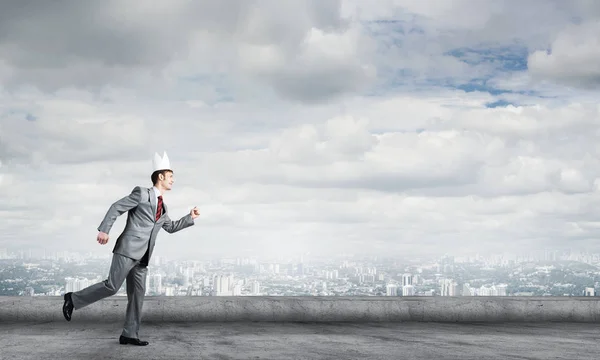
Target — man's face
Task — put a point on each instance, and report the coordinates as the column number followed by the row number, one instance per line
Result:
column 167, row 180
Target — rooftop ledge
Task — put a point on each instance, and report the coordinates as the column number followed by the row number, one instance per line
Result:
column 313, row 309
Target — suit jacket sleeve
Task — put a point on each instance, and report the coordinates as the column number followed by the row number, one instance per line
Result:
column 171, row 226
column 119, row 207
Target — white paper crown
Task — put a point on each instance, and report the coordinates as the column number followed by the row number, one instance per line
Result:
column 161, row 163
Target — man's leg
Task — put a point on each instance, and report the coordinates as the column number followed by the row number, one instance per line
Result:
column 136, row 289
column 119, row 268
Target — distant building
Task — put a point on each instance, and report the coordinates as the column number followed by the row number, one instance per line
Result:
column 407, row 279
column 255, row 288
column 467, row 290
column 155, row 284
column 223, row 285
column 448, row 287
column 76, row 284
column 391, row 290
column 408, row 290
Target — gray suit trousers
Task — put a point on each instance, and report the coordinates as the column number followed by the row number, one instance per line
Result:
column 122, row 268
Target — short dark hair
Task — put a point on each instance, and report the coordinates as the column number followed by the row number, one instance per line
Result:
column 154, row 176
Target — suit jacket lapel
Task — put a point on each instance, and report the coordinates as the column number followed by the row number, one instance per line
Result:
column 152, row 197
column 164, row 210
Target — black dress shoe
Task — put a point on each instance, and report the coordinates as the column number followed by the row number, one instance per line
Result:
column 68, row 306
column 124, row 340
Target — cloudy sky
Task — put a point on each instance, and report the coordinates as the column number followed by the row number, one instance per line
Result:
column 388, row 126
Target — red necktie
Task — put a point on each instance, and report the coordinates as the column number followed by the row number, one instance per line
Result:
column 159, row 208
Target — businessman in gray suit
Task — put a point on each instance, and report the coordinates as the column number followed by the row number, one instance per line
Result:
column 147, row 214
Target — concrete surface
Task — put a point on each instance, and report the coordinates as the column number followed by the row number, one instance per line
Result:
column 314, row 309
column 245, row 340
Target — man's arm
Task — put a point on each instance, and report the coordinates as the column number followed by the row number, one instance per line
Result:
column 171, row 226
column 119, row 207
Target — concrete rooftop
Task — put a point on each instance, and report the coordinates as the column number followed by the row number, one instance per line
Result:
column 307, row 328
column 246, row 340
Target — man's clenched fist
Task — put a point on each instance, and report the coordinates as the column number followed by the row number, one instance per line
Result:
column 102, row 238
column 195, row 212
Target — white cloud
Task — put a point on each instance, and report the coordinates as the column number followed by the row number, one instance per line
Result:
column 289, row 46
column 573, row 58
column 304, row 126
column 321, row 65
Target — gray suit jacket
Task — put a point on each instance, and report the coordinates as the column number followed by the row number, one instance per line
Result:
column 140, row 232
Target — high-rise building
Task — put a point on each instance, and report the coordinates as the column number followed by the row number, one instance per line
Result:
column 466, row 290
column 408, row 290
column 188, row 276
column 223, row 285
column 485, row 291
column 448, row 287
column 407, row 279
column 156, row 284
column 76, row 284
column 69, row 285
column 237, row 290
column 255, row 287
column 391, row 289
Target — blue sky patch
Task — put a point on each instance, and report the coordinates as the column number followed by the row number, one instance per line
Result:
column 482, row 87
column 506, row 58
column 499, row 103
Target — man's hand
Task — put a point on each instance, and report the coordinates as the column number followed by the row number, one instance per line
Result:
column 195, row 212
column 102, row 238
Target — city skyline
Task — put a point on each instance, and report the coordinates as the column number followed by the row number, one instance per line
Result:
column 551, row 273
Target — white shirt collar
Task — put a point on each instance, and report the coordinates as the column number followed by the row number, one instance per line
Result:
column 156, row 191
